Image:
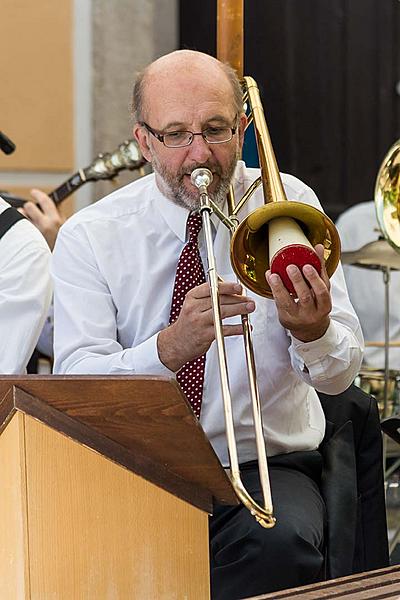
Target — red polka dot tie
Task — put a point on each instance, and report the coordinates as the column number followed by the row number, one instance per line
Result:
column 189, row 274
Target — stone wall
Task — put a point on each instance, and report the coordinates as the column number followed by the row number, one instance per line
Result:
column 127, row 35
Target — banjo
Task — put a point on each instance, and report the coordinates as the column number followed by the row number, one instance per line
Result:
column 105, row 166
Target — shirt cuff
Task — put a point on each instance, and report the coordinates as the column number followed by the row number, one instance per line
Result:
column 311, row 352
column 147, row 360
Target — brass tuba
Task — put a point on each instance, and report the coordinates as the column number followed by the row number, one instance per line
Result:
column 387, row 196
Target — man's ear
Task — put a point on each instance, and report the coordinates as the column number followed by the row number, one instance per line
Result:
column 141, row 136
column 242, row 128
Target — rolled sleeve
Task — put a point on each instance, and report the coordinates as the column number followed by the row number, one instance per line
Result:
column 312, row 353
column 330, row 363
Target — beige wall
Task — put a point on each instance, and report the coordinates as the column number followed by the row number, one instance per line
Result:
column 36, row 84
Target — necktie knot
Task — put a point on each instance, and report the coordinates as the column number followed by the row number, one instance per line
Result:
column 194, row 224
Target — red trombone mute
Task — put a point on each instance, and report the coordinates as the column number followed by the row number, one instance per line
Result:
column 294, row 254
column 288, row 245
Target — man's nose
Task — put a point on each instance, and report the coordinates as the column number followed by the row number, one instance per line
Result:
column 199, row 149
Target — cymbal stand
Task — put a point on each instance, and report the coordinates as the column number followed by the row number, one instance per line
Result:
column 386, row 281
column 388, row 471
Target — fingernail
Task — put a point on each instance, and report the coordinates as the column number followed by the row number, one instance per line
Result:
column 250, row 306
column 308, row 270
column 238, row 288
column 291, row 270
column 273, row 279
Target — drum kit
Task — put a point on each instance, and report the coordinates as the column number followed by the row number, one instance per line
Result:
column 383, row 384
column 384, row 255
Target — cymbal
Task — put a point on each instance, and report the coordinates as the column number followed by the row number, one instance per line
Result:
column 375, row 255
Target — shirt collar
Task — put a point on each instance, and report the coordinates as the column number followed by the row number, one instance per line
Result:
column 176, row 216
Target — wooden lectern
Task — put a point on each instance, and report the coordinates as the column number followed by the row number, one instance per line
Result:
column 105, row 487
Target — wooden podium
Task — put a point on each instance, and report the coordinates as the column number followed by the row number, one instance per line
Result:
column 105, row 487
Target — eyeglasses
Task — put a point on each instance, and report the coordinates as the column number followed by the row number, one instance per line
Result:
column 179, row 139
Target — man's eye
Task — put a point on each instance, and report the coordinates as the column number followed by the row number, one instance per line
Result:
column 176, row 135
column 214, row 130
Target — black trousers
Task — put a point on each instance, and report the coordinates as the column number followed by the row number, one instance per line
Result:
column 247, row 559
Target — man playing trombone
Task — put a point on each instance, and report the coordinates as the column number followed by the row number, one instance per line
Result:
column 131, row 296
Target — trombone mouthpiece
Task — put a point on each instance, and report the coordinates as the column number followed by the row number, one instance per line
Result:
column 201, row 177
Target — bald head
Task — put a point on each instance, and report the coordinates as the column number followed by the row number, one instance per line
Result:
column 177, row 69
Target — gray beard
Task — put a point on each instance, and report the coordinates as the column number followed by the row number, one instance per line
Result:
column 173, row 188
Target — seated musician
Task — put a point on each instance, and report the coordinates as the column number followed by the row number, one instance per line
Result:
column 131, row 297
column 358, row 226
column 25, row 288
column 43, row 213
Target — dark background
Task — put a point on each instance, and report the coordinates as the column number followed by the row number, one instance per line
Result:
column 327, row 72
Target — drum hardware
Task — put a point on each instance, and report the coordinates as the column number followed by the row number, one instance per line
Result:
column 367, row 257
column 378, row 255
column 382, row 344
column 375, row 255
column 387, row 205
column 372, row 382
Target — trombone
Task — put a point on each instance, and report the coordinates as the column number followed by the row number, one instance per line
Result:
column 250, row 258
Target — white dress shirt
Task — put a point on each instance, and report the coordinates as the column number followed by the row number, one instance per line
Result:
column 46, row 339
column 358, row 226
column 114, row 269
column 25, row 292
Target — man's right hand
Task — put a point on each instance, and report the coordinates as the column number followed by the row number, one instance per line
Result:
column 191, row 335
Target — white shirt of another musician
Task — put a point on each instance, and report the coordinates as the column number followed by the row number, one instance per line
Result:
column 358, row 226
column 25, row 292
column 114, row 268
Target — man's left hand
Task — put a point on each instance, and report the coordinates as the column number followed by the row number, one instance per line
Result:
column 43, row 213
column 307, row 317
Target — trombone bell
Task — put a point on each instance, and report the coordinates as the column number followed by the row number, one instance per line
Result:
column 250, row 250
column 250, row 254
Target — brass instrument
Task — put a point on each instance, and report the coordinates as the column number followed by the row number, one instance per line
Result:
column 387, row 207
column 250, row 259
column 202, row 178
column 249, row 252
column 387, row 196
